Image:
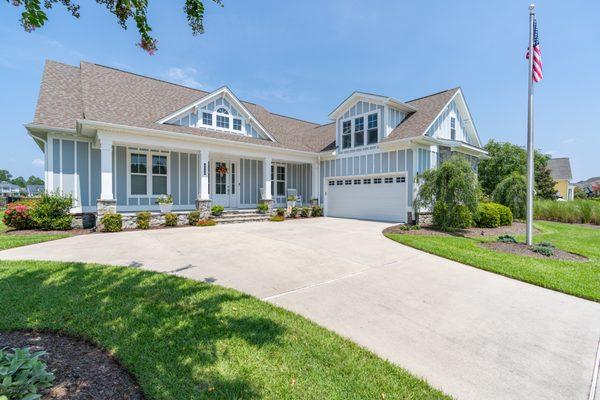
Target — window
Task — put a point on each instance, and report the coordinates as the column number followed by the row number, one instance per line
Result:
column 280, row 180
column 138, row 169
column 237, row 124
column 348, row 182
column 357, row 181
column 366, row 181
column 400, row 179
column 377, row 180
column 340, row 183
column 331, row 183
column 372, row 131
column 159, row 175
column 389, row 180
column 223, row 111
column 206, row 119
column 220, row 178
column 346, row 134
column 222, row 122
column 359, row 131
column 452, row 128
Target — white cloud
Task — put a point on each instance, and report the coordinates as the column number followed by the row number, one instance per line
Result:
column 184, row 76
column 38, row 162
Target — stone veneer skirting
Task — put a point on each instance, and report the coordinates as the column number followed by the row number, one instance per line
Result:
column 156, row 219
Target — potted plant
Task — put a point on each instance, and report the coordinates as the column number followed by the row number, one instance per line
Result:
column 165, row 203
column 291, row 201
column 217, row 210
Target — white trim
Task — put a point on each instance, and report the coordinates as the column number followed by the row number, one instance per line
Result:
column 383, row 100
column 148, row 153
column 89, row 150
column 50, row 151
column 60, row 165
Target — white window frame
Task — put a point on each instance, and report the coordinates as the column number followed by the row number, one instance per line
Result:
column 352, row 120
column 148, row 154
column 274, row 179
column 200, row 120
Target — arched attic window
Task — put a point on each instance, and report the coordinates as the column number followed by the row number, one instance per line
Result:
column 222, row 118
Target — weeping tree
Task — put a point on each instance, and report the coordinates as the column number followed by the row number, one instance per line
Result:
column 34, row 16
column 512, row 192
column 451, row 192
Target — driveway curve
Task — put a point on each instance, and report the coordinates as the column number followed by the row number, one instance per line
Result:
column 471, row 333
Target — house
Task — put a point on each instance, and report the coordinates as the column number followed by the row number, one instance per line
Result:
column 8, row 189
column 590, row 187
column 34, row 190
column 560, row 170
column 117, row 140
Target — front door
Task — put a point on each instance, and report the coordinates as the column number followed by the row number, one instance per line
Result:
column 225, row 184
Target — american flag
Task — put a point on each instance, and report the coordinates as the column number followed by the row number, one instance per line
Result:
column 537, row 55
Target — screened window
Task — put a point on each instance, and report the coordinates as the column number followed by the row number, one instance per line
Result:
column 159, row 174
column 138, row 169
column 237, row 124
column 372, row 131
column 359, row 131
column 207, row 119
column 452, row 128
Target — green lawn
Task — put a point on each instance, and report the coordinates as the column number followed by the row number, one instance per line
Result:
column 184, row 339
column 580, row 279
column 8, row 241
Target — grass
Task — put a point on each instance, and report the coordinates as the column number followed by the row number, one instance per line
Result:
column 183, row 339
column 576, row 211
column 9, row 241
column 580, row 279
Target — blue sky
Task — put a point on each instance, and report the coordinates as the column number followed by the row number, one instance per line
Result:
column 303, row 58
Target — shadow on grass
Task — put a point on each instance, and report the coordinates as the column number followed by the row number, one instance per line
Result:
column 177, row 337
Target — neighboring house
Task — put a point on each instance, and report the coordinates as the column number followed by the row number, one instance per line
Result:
column 591, row 187
column 560, row 170
column 118, row 140
column 8, row 189
column 34, row 190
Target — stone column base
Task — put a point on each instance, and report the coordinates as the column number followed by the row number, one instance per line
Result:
column 204, row 207
column 103, row 207
column 269, row 203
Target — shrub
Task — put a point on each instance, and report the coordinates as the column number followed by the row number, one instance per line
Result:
column 451, row 190
column 18, row 216
column 317, row 211
column 305, row 212
column 409, row 227
column 171, row 219
column 207, row 222
column 112, row 222
column 262, row 208
column 294, row 212
column 487, row 216
column 512, row 192
column 143, row 219
column 22, row 374
column 52, row 211
column 546, row 244
column 507, row 239
column 217, row 210
column 543, row 250
column 506, row 216
column 277, row 218
column 281, row 212
column 194, row 217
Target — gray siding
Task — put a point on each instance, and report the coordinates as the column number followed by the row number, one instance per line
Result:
column 175, row 177
column 409, row 177
column 184, row 179
column 83, row 168
column 393, row 161
column 56, row 163
column 96, row 176
column 120, row 174
column 68, row 167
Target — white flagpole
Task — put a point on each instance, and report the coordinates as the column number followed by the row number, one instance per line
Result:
column 530, row 149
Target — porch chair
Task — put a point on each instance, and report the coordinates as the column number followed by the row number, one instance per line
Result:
column 294, row 192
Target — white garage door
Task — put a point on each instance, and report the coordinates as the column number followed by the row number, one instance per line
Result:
column 381, row 198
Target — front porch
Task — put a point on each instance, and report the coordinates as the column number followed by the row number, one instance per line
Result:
column 134, row 176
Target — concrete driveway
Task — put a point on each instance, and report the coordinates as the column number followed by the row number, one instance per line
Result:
column 473, row 334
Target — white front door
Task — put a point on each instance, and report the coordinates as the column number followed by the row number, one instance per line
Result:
column 225, row 184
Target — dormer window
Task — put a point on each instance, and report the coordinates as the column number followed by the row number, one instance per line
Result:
column 372, row 131
column 237, row 124
column 206, row 119
column 359, row 131
column 346, row 134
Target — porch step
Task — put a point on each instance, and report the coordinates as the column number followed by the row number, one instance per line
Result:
column 240, row 216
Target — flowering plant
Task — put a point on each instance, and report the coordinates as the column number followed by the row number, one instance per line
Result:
column 18, row 216
column 165, row 199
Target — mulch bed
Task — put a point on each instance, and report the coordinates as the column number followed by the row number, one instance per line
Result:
column 81, row 370
column 516, row 228
column 523, row 250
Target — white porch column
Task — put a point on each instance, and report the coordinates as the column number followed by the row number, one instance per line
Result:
column 316, row 180
column 267, row 178
column 106, row 166
column 204, row 171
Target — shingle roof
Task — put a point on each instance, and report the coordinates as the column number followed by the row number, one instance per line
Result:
column 428, row 108
column 99, row 93
column 560, row 168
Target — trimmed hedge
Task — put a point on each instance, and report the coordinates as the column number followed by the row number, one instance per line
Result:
column 171, row 219
column 194, row 217
column 317, row 211
column 143, row 220
column 112, row 222
column 487, row 216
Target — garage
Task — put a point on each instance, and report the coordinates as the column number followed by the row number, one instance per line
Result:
column 379, row 198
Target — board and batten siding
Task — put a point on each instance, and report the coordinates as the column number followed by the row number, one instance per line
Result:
column 368, row 164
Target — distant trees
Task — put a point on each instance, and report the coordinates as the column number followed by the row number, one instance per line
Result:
column 5, row 175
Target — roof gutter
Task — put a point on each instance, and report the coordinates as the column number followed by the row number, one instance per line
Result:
column 202, row 139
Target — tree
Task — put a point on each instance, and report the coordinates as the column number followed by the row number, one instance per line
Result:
column 34, row 16
column 451, row 190
column 506, row 158
column 512, row 192
column 5, row 175
column 19, row 181
column 34, row 180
